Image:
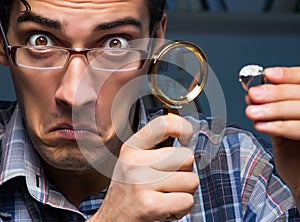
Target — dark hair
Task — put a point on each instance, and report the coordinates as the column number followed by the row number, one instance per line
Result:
column 5, row 10
column 156, row 9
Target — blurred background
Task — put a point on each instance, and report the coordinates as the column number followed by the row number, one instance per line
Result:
column 232, row 33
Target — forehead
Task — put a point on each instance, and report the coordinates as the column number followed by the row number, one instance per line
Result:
column 86, row 12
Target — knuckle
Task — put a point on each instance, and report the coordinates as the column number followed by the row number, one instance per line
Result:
column 132, row 155
column 190, row 158
column 145, row 205
column 124, row 173
column 186, row 203
column 147, row 202
column 125, row 154
column 190, row 201
column 194, row 181
column 191, row 181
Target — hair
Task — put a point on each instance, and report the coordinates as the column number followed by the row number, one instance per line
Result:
column 5, row 11
column 156, row 10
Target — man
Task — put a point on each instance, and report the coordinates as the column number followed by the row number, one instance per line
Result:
column 69, row 61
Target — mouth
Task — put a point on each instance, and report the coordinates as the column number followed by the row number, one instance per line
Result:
column 70, row 132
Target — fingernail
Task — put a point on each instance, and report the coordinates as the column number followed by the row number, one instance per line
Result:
column 275, row 72
column 256, row 110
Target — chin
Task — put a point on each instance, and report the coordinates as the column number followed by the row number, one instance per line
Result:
column 71, row 166
column 79, row 158
column 69, row 163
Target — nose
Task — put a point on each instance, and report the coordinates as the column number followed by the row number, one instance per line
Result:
column 76, row 87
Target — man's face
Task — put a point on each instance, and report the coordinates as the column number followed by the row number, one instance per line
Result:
column 50, row 99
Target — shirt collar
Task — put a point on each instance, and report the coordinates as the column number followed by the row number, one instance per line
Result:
column 13, row 148
column 19, row 158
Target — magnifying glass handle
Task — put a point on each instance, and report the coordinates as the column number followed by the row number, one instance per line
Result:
column 171, row 111
column 170, row 141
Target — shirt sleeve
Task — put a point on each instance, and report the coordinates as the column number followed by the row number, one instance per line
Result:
column 238, row 179
column 264, row 195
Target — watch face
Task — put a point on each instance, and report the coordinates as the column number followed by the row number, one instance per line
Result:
column 251, row 75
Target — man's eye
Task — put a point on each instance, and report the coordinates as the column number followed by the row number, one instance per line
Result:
column 116, row 43
column 40, row 40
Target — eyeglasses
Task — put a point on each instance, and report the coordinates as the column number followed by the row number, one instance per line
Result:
column 53, row 57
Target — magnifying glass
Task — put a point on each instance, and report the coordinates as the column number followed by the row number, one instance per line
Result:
column 177, row 74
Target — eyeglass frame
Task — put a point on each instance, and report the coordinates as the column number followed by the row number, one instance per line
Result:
column 11, row 50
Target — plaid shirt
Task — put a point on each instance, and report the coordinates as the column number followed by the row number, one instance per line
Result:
column 238, row 181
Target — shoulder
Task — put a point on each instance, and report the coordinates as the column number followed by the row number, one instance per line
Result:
column 7, row 104
column 6, row 110
column 232, row 159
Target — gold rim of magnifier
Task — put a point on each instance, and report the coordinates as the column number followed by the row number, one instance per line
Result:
column 153, row 70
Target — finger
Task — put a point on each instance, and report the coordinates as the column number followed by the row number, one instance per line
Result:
column 273, row 93
column 247, row 99
column 167, row 159
column 289, row 129
column 152, row 166
column 174, row 159
column 274, row 111
column 173, row 204
column 159, row 130
column 282, row 75
column 186, row 182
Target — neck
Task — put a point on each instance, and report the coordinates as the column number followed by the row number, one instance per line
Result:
column 76, row 185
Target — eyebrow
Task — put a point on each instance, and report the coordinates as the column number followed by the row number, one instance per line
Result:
column 51, row 23
column 119, row 23
column 32, row 17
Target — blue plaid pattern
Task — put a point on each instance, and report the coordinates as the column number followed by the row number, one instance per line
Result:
column 238, row 181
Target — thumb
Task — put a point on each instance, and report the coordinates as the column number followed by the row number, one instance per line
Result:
column 159, row 129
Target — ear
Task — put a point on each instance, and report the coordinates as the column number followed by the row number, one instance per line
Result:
column 3, row 57
column 162, row 27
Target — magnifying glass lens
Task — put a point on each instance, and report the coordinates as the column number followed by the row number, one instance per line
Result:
column 178, row 73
